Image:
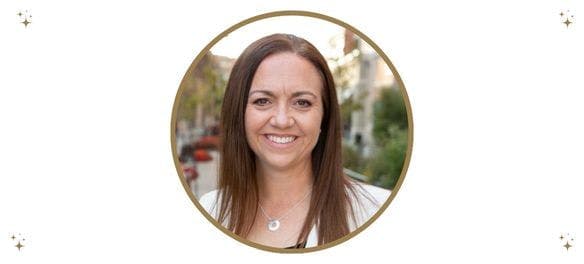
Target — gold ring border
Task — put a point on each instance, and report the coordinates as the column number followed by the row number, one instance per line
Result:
column 395, row 74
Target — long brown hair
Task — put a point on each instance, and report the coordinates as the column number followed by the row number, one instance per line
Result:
column 238, row 186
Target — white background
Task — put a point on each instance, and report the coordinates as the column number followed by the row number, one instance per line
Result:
column 86, row 94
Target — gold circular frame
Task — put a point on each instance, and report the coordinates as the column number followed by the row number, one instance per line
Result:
column 408, row 153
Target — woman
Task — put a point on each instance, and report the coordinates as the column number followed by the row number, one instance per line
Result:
column 281, row 180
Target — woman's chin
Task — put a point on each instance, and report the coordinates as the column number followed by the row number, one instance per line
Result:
column 278, row 163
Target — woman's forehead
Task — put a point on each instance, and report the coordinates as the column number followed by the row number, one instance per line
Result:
column 286, row 73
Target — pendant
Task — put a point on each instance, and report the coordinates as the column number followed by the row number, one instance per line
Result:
column 273, row 225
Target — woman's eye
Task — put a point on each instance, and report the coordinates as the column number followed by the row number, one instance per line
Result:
column 303, row 103
column 261, row 101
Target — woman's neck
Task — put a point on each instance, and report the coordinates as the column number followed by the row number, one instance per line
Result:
column 280, row 186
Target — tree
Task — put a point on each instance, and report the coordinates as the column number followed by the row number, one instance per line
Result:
column 203, row 86
column 389, row 111
column 390, row 129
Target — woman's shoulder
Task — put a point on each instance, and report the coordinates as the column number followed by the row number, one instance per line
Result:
column 379, row 194
column 375, row 195
column 209, row 202
column 366, row 201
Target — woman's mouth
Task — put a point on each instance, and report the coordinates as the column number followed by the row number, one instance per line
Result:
column 281, row 139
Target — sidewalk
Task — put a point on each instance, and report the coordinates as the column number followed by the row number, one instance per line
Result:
column 207, row 180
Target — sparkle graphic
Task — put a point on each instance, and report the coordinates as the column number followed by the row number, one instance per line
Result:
column 19, row 246
column 566, row 18
column 24, row 17
column 567, row 241
column 20, row 239
column 567, row 246
column 25, row 22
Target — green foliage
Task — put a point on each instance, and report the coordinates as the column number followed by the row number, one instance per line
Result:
column 390, row 133
column 386, row 165
column 389, row 111
column 352, row 159
column 203, row 86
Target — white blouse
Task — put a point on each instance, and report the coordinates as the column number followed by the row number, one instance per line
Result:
column 366, row 203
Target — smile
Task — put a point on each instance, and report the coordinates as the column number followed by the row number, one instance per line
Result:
column 280, row 139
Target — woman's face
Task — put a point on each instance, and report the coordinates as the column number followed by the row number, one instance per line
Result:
column 284, row 111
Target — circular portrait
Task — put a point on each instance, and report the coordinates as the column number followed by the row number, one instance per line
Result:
column 291, row 131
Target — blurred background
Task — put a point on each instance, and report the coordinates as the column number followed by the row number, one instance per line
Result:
column 373, row 111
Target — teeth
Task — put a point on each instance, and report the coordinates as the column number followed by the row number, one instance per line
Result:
column 281, row 140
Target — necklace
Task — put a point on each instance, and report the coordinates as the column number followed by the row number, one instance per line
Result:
column 274, row 223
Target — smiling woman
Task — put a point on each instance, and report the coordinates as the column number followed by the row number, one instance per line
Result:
column 284, row 111
column 281, row 182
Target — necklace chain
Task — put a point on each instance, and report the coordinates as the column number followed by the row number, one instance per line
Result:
column 276, row 221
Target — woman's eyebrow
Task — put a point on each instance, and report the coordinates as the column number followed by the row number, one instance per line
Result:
column 295, row 94
column 262, row 91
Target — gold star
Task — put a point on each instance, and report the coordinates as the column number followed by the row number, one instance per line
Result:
column 561, row 13
column 19, row 14
column 13, row 237
column 561, row 237
column 567, row 246
column 25, row 22
column 19, row 245
column 567, row 22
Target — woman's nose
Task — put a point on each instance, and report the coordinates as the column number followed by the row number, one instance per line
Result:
column 282, row 118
